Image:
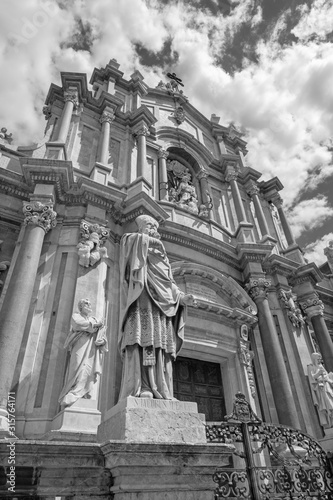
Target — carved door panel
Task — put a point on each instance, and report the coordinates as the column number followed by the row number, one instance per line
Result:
column 200, row 381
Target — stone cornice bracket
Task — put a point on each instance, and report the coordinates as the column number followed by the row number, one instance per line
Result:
column 257, row 288
column 72, row 95
column 39, row 214
column 107, row 116
column 252, row 188
column 162, row 153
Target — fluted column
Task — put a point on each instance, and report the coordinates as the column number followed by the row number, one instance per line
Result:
column 163, row 174
column 283, row 397
column 253, row 191
column 39, row 218
column 231, row 177
column 71, row 102
column 278, row 202
column 103, row 148
column 314, row 310
column 141, row 165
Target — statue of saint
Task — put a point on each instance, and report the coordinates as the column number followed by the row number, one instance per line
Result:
column 321, row 384
column 86, row 343
column 152, row 314
column 328, row 251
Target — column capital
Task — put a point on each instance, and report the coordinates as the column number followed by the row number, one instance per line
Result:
column 203, row 174
column 257, row 288
column 143, row 130
column 107, row 116
column 277, row 200
column 39, row 214
column 312, row 306
column 163, row 153
column 231, row 174
column 72, row 95
column 252, row 188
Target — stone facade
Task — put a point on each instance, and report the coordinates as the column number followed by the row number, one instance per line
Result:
column 113, row 153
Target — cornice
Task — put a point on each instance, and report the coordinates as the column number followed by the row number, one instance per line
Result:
column 230, row 315
column 276, row 264
column 306, row 273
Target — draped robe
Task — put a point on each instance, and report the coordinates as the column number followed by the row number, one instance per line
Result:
column 152, row 318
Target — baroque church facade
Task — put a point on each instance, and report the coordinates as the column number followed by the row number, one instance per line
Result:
column 109, row 155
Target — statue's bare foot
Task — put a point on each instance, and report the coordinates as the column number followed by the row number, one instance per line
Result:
column 146, row 394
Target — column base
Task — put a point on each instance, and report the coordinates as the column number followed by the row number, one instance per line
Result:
column 244, row 232
column 294, row 253
column 138, row 186
column 78, row 422
column 141, row 420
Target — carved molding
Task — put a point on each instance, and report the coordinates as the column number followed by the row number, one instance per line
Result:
column 39, row 214
column 246, row 356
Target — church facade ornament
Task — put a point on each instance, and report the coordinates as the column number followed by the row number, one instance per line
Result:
column 91, row 245
column 294, row 313
column 39, row 214
column 257, row 288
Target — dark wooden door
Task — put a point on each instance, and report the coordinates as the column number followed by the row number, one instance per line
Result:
column 201, row 382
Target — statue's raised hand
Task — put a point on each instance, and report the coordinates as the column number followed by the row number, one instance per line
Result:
column 189, row 300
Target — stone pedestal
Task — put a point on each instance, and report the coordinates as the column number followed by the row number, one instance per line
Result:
column 78, row 422
column 140, row 420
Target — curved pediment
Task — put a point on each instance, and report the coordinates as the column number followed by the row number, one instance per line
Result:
column 211, row 281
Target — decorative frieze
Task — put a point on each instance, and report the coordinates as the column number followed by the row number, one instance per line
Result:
column 39, row 214
column 91, row 245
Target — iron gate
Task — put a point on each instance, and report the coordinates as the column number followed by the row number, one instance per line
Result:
column 271, row 461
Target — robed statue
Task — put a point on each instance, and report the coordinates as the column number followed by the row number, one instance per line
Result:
column 152, row 314
column 86, row 344
column 321, row 384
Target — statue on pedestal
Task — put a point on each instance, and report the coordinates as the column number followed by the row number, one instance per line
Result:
column 328, row 251
column 86, row 343
column 321, row 384
column 152, row 314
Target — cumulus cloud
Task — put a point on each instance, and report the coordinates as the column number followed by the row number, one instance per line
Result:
column 314, row 252
column 283, row 101
column 309, row 214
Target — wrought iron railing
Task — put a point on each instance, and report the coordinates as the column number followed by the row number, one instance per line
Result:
column 270, row 461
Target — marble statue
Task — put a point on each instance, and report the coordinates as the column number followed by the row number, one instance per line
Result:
column 328, row 251
column 152, row 314
column 321, row 384
column 187, row 197
column 86, row 343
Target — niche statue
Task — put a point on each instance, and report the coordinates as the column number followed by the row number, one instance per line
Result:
column 152, row 314
column 86, row 343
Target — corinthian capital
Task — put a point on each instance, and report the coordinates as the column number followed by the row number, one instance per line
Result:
column 312, row 306
column 143, row 130
column 107, row 116
column 231, row 174
column 257, row 288
column 72, row 96
column 39, row 214
column 252, row 188
column 203, row 174
column 163, row 153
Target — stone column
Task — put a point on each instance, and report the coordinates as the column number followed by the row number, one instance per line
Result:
column 276, row 367
column 278, row 202
column 40, row 218
column 71, row 102
column 253, row 191
column 103, row 147
column 231, row 177
column 163, row 175
column 314, row 310
column 141, row 165
column 202, row 178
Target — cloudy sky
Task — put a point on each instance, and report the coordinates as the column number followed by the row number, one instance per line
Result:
column 265, row 65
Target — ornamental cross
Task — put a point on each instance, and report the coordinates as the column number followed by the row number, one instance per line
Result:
column 174, row 77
